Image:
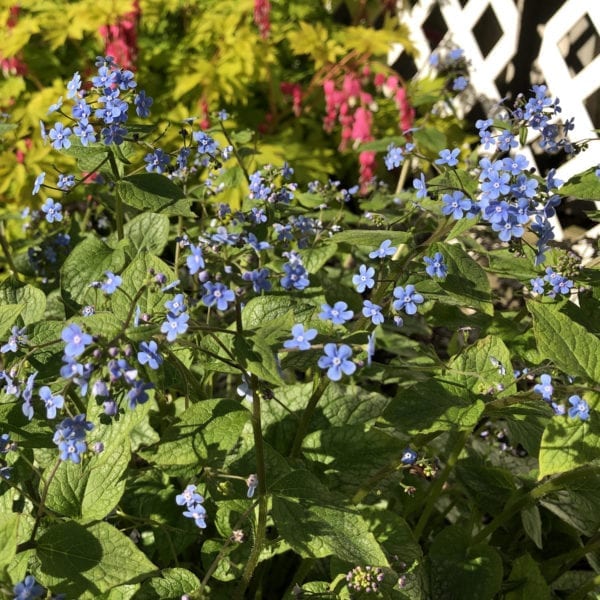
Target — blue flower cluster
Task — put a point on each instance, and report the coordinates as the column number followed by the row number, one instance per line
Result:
column 579, row 407
column 552, row 284
column 70, row 437
column 192, row 501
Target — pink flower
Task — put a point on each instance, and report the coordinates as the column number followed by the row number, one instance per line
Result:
column 262, row 13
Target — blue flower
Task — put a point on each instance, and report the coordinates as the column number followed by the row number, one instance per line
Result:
column 157, row 161
column 195, row 261
column 385, row 249
column 137, row 394
column 38, row 183
column 295, row 276
column 409, row 456
column 59, row 135
column 435, row 266
column 111, row 283
column 364, row 278
column 148, row 354
column 407, row 299
column 394, row 157
column 189, row 496
column 460, row 83
column 75, row 339
column 17, row 338
column 56, row 106
column 85, row 132
column 336, row 361
column 52, row 402
column 65, row 182
column 372, row 311
column 337, row 314
column 142, row 104
column 198, row 513
column 28, row 589
column 300, row 339
column 73, row 85
column 217, row 294
column 544, row 388
column 448, row 157
column 176, row 305
column 456, row 204
column 70, row 438
column 52, row 210
column 421, row 187
column 113, row 134
column 579, row 408
column 259, row 278
column 174, row 325
column 370, row 348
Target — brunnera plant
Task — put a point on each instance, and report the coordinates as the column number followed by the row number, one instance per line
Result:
column 320, row 393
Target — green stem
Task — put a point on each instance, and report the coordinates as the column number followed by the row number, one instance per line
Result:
column 402, row 177
column 40, row 511
column 439, row 481
column 7, row 253
column 119, row 215
column 307, row 416
column 261, row 472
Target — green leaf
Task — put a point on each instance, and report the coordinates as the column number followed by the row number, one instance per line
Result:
column 84, row 562
column 371, row 238
column 135, row 279
column 314, row 259
column 433, row 406
column 462, row 571
column 529, row 581
column 579, row 503
column 9, row 523
column 381, row 145
column 532, row 524
column 170, row 585
column 255, row 356
column 87, row 263
column 91, row 156
column 91, row 490
column 33, row 300
column 8, row 315
column 467, row 282
column 300, row 499
column 585, row 186
column 148, row 232
column 572, row 347
column 431, row 139
column 152, row 192
column 453, row 179
column 201, row 437
column 568, row 443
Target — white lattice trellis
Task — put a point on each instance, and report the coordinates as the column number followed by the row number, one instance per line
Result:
column 572, row 89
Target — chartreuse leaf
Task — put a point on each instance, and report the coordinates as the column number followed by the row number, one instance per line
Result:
column 85, row 561
column 148, row 232
column 314, row 526
column 202, row 436
column 569, row 345
column 585, row 186
column 32, row 299
column 87, row 263
column 155, row 193
column 8, row 315
column 9, row 523
column 467, row 283
column 171, row 584
column 433, row 406
column 568, row 443
column 462, row 571
column 528, row 581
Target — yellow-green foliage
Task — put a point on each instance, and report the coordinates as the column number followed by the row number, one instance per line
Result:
column 192, row 53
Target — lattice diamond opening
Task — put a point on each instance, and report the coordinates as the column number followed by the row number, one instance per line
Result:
column 592, row 103
column 435, row 27
column 580, row 45
column 487, row 31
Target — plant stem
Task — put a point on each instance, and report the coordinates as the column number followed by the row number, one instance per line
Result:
column 307, row 416
column 119, row 215
column 6, row 250
column 261, row 472
column 438, row 484
column 40, row 511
